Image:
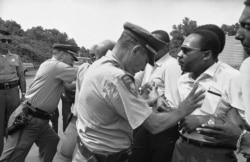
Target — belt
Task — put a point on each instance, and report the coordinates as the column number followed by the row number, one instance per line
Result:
column 36, row 112
column 9, row 85
column 121, row 156
column 206, row 144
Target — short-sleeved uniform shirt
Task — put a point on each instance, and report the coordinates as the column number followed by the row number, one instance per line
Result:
column 45, row 91
column 109, row 107
column 165, row 75
column 216, row 78
column 8, row 65
column 79, row 78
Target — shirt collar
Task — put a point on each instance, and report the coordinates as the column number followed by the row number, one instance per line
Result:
column 111, row 55
column 162, row 60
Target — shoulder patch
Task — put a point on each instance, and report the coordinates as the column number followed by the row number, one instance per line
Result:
column 128, row 80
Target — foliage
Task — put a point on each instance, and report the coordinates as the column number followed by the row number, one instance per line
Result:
column 230, row 30
column 35, row 44
column 179, row 33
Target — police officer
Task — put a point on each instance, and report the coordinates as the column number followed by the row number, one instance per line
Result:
column 11, row 79
column 42, row 99
column 67, row 142
column 109, row 106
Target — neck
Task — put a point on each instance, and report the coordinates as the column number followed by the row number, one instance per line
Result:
column 196, row 74
column 3, row 51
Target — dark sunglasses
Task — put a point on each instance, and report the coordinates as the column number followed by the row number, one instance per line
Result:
column 186, row 49
column 6, row 40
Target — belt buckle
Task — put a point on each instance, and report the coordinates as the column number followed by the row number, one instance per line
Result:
column 124, row 155
column 6, row 86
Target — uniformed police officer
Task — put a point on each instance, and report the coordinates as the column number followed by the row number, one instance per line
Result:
column 67, row 142
column 42, row 99
column 109, row 107
column 11, row 79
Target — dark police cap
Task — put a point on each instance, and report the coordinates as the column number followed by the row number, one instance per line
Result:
column 146, row 39
column 247, row 2
column 67, row 48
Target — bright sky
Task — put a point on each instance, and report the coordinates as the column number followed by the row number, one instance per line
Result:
column 91, row 21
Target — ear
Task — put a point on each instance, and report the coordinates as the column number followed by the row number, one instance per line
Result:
column 208, row 55
column 136, row 49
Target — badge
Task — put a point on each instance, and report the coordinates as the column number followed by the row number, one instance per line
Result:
column 128, row 80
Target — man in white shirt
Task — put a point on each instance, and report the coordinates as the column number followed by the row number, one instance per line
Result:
column 164, row 74
column 199, row 58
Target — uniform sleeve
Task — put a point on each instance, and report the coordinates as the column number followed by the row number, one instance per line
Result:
column 66, row 73
column 126, row 102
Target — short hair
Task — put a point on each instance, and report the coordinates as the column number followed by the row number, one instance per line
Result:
column 4, row 32
column 218, row 31
column 163, row 34
column 102, row 48
column 247, row 2
column 209, row 41
column 126, row 41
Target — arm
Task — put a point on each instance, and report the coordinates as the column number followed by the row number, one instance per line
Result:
column 22, row 81
column 158, row 122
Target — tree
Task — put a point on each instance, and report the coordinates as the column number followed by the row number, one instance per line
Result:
column 179, row 33
column 230, row 30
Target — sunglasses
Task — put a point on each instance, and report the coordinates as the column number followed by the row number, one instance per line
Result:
column 6, row 40
column 186, row 49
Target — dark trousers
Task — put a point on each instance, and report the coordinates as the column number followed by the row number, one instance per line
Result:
column 66, row 110
column 9, row 101
column 54, row 120
column 153, row 148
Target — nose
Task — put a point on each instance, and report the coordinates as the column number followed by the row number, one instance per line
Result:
column 180, row 54
column 239, row 34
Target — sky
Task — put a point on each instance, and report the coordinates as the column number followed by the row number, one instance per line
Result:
column 91, row 21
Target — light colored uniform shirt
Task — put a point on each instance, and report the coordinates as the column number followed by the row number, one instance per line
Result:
column 165, row 75
column 216, row 79
column 45, row 91
column 8, row 67
column 109, row 107
column 79, row 78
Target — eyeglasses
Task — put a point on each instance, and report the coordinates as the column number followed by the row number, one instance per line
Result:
column 186, row 49
column 6, row 40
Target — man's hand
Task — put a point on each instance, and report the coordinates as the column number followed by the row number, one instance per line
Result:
column 192, row 101
column 226, row 133
column 162, row 105
column 145, row 90
column 22, row 97
column 191, row 122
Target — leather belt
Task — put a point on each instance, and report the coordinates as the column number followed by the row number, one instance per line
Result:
column 206, row 144
column 9, row 85
column 36, row 112
column 121, row 156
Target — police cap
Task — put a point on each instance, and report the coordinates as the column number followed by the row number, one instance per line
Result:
column 146, row 39
column 67, row 48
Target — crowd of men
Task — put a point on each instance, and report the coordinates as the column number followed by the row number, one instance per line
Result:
column 134, row 103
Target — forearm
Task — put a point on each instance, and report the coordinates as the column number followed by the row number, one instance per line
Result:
column 22, row 84
column 158, row 122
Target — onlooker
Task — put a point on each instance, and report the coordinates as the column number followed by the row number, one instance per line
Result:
column 228, row 132
column 199, row 59
column 67, row 142
column 110, row 107
column 42, row 99
column 11, row 79
column 164, row 74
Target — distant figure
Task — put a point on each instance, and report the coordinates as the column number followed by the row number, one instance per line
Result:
column 42, row 99
column 11, row 80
